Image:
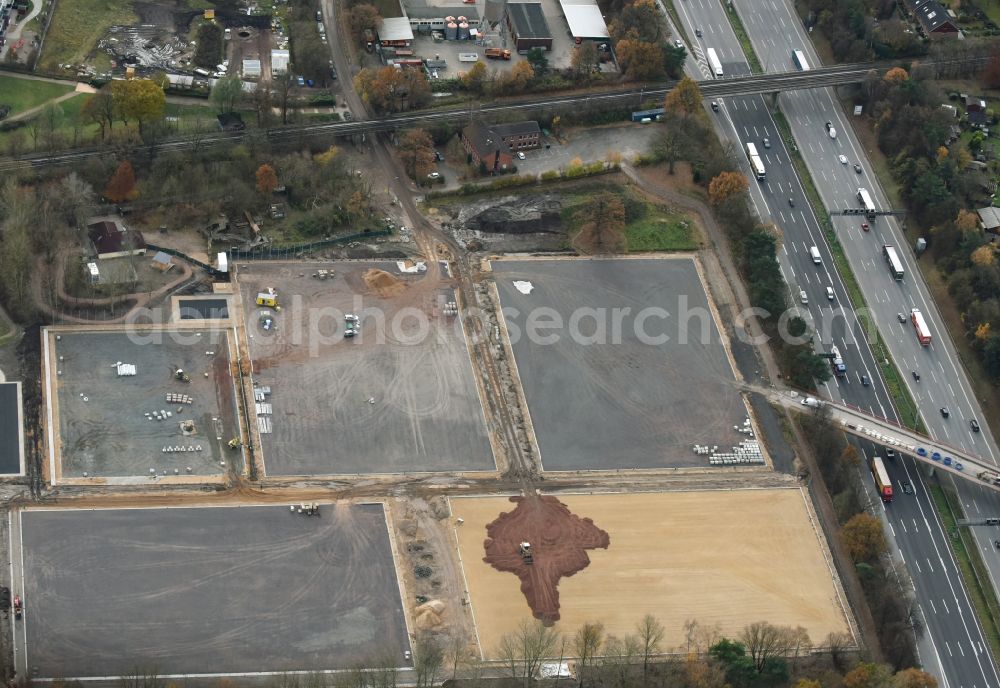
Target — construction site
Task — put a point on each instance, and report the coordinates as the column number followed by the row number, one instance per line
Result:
column 388, row 452
column 127, row 404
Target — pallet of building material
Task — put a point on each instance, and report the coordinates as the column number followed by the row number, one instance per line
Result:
column 175, row 398
column 263, row 409
column 264, row 425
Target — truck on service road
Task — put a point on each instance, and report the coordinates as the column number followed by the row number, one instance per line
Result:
column 920, row 326
column 882, row 482
column 497, row 54
column 837, row 363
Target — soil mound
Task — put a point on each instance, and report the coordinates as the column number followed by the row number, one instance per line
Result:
column 559, row 542
column 382, row 283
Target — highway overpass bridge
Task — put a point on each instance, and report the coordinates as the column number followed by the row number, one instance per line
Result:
column 937, row 455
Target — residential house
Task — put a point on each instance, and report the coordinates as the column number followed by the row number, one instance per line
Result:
column 111, row 239
column 934, row 19
column 495, row 146
column 989, row 219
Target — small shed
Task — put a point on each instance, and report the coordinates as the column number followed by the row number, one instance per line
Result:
column 162, row 261
column 279, row 62
column 93, row 274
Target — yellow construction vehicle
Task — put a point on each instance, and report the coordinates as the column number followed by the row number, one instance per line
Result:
column 268, row 298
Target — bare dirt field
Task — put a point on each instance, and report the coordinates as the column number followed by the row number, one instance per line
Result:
column 218, row 590
column 398, row 397
column 105, row 425
column 621, row 361
column 725, row 558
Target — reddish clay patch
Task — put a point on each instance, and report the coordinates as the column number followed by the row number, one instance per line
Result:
column 559, row 542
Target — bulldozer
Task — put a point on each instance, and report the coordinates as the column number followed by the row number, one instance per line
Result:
column 181, row 376
column 527, row 556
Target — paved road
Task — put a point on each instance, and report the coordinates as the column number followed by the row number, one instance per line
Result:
column 943, row 383
column 949, row 634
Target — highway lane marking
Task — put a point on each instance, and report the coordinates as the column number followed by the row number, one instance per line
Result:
column 916, row 528
column 933, row 608
column 960, row 648
column 945, row 603
column 948, row 647
column 930, row 565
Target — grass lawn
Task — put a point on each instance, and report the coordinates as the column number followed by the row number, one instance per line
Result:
column 991, row 8
column 189, row 118
column 24, row 94
column 387, row 8
column 660, row 230
column 78, row 25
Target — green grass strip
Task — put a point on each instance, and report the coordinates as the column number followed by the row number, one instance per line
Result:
column 908, row 411
column 970, row 563
column 744, row 38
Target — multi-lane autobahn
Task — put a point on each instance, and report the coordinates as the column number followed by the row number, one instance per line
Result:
column 953, row 647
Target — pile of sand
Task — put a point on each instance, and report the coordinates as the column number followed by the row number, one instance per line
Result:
column 428, row 615
column 382, row 283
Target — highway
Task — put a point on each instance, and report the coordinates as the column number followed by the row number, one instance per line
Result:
column 953, row 646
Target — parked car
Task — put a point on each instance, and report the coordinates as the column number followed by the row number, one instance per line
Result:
column 434, row 175
column 678, row 43
column 300, row 80
column 438, row 156
column 520, row 155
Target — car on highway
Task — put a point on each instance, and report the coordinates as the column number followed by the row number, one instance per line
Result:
column 916, row 375
column 907, row 487
column 857, row 168
column 803, row 297
column 974, row 424
column 945, row 412
column 900, row 317
column 842, row 159
column 865, row 382
column 864, row 226
column 767, row 142
column 715, row 106
column 697, row 32
column 829, row 293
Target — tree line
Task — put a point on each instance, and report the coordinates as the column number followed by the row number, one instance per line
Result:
column 687, row 136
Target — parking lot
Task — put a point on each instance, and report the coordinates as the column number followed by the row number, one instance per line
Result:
column 622, row 363
column 399, row 397
column 217, row 590
column 146, row 421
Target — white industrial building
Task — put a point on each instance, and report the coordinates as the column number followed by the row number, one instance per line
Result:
column 251, row 69
column 586, row 23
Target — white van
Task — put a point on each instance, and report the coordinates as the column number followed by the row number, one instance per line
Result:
column 814, row 252
column 829, row 293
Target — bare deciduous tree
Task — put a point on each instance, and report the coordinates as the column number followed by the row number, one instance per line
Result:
column 764, row 642
column 587, row 645
column 650, row 632
column 428, row 656
column 620, row 656
column 522, row 651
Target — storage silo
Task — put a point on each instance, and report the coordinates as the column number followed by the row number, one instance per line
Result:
column 463, row 31
column 451, row 31
column 493, row 13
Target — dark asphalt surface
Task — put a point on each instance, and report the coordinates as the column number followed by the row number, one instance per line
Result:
column 219, row 590
column 11, row 432
column 607, row 397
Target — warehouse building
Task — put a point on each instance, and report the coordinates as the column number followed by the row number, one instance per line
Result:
column 527, row 26
column 585, row 21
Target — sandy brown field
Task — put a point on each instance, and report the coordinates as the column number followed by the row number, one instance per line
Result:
column 725, row 558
